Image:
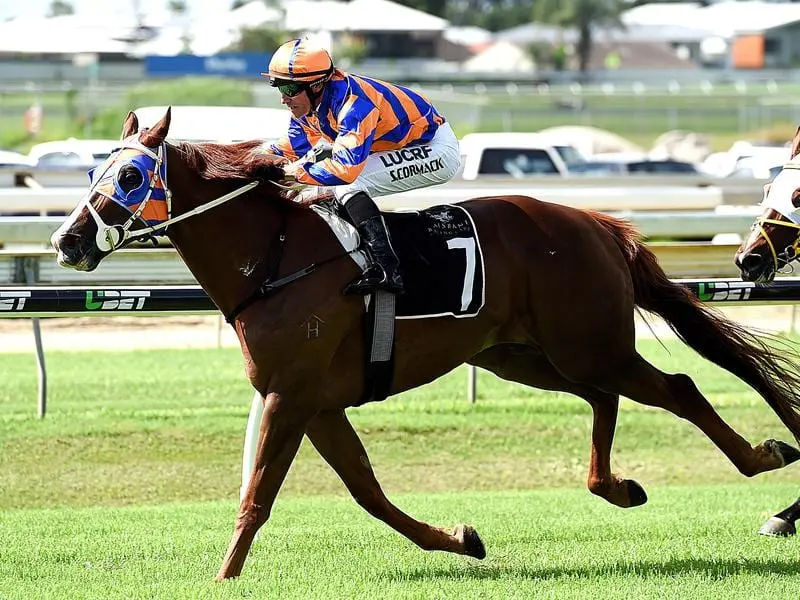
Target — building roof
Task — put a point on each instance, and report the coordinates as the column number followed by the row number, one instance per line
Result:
column 358, row 15
column 68, row 34
column 671, row 13
column 499, row 57
column 468, row 36
column 749, row 17
column 207, row 33
column 672, row 22
column 723, row 19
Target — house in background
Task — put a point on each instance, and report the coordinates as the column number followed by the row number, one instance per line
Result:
column 746, row 35
column 749, row 34
column 389, row 30
column 399, row 42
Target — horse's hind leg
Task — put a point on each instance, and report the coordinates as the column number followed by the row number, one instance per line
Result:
column 528, row 366
column 642, row 382
column 337, row 442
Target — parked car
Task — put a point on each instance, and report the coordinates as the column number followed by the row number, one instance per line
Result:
column 14, row 159
column 72, row 153
column 623, row 167
column 516, row 154
column 743, row 156
column 757, row 167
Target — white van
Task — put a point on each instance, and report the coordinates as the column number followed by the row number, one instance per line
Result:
column 71, row 153
column 519, row 155
column 219, row 123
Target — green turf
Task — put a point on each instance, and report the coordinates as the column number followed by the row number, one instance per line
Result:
column 688, row 543
column 128, row 490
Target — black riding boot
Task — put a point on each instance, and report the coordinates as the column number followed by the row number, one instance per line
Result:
column 384, row 272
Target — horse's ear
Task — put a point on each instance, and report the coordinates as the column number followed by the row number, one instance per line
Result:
column 130, row 126
column 796, row 143
column 158, row 132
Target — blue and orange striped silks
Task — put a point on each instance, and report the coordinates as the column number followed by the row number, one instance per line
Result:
column 359, row 116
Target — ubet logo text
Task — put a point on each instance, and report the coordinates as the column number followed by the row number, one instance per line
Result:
column 720, row 291
column 116, row 299
column 13, row 300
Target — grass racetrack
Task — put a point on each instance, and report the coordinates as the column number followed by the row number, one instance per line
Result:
column 129, row 487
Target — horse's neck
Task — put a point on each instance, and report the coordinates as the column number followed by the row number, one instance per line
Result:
column 232, row 249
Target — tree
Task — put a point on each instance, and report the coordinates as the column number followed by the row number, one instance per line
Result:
column 350, row 50
column 59, row 8
column 584, row 16
column 432, row 7
column 494, row 16
column 176, row 7
column 180, row 11
column 635, row 3
column 258, row 39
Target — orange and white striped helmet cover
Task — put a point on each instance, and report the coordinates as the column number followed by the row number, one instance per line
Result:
column 300, row 60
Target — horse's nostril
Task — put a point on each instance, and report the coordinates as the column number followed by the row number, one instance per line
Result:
column 750, row 261
column 68, row 245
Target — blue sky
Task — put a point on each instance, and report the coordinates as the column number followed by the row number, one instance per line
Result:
column 39, row 8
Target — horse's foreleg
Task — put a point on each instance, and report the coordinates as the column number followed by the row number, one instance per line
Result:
column 282, row 427
column 337, row 442
column 782, row 524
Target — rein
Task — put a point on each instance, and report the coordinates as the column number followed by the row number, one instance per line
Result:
column 791, row 252
column 112, row 237
column 271, row 284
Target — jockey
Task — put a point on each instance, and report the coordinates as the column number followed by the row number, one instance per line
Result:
column 385, row 139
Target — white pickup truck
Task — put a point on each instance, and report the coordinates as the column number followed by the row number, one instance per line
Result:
column 519, row 155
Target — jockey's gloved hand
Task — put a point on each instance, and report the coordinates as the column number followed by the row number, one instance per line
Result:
column 290, row 171
column 322, row 150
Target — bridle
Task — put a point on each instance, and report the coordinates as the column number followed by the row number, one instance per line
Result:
column 783, row 259
column 111, row 237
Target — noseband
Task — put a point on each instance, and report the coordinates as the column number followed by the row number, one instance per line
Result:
column 111, row 237
column 789, row 253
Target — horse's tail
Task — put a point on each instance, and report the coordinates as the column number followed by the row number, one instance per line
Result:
column 767, row 363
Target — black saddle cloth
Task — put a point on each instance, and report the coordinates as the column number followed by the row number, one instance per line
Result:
column 440, row 260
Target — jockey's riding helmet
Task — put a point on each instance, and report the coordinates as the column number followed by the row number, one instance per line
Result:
column 301, row 61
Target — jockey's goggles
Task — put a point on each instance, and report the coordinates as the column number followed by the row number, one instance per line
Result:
column 290, row 89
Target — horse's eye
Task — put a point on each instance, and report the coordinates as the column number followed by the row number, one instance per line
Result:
column 129, row 178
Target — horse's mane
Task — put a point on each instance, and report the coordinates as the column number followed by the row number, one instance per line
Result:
column 242, row 160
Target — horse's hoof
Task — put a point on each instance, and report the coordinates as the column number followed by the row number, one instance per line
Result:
column 788, row 453
column 473, row 545
column 636, row 494
column 777, row 527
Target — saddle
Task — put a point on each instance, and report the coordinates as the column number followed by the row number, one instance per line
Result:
column 441, row 263
column 441, row 260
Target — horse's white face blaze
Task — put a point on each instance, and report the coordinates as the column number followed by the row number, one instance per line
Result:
column 773, row 241
column 129, row 187
column 781, row 194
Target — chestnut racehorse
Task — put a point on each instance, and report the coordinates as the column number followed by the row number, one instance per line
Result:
column 771, row 248
column 774, row 240
column 561, row 288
